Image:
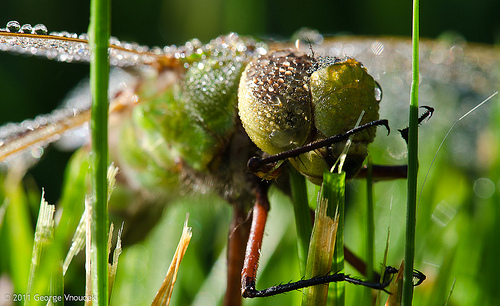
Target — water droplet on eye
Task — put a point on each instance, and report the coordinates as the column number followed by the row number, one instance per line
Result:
column 378, row 92
column 26, row 28
column 40, row 29
column 282, row 138
column 13, row 26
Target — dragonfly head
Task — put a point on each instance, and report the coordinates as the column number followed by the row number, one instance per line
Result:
column 288, row 100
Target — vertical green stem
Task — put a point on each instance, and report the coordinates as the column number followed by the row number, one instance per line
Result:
column 99, row 32
column 302, row 216
column 412, row 165
column 334, row 190
column 370, row 225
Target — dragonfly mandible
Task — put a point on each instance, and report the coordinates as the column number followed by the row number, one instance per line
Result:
column 161, row 70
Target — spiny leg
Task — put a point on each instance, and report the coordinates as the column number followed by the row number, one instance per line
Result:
column 360, row 266
column 257, row 164
column 318, row 280
column 382, row 172
column 261, row 209
column 252, row 254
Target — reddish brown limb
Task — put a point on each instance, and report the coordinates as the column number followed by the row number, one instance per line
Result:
column 355, row 261
column 238, row 235
column 252, row 254
column 358, row 264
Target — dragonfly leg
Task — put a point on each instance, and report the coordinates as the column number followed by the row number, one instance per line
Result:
column 360, row 266
column 317, row 280
column 252, row 254
column 357, row 262
column 384, row 172
column 238, row 235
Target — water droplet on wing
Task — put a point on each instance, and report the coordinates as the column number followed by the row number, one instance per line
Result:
column 13, row 26
column 27, row 28
column 40, row 29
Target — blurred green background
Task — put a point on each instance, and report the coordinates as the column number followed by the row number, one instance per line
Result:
column 459, row 225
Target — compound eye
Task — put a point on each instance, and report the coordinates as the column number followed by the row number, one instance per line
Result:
column 340, row 93
column 274, row 101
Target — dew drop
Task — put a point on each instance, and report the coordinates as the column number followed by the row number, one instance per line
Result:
column 37, row 152
column 378, row 92
column 27, row 29
column 282, row 138
column 298, row 111
column 13, row 26
column 114, row 41
column 40, row 29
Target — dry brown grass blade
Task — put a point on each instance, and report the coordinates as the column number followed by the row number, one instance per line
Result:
column 396, row 288
column 165, row 292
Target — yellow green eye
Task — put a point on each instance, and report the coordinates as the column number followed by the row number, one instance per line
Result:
column 274, row 101
column 340, row 92
column 287, row 100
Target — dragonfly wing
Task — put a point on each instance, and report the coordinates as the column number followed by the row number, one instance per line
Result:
column 39, row 132
column 79, row 99
column 66, row 125
column 67, row 47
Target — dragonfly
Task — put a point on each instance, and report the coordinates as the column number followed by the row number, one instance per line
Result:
column 156, row 77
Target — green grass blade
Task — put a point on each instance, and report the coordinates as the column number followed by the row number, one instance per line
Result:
column 325, row 238
column 99, row 74
column 370, row 228
column 411, row 207
column 302, row 216
column 16, row 235
column 39, row 280
column 334, row 190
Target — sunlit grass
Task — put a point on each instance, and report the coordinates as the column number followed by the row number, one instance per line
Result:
column 411, row 205
column 99, row 33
